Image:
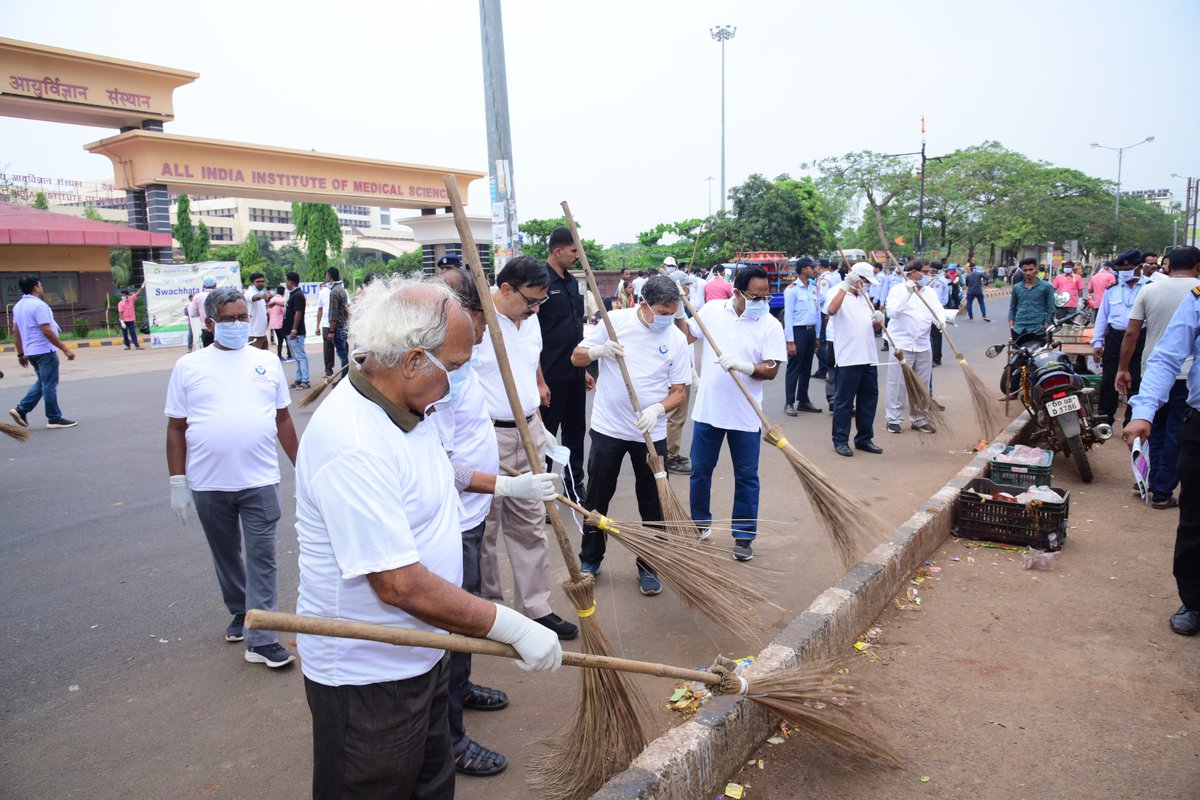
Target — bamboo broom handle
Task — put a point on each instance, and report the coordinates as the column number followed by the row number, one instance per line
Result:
column 510, row 388
column 257, row 619
column 612, row 332
column 895, row 350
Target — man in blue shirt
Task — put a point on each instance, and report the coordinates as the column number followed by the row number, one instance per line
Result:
column 37, row 342
column 1111, row 320
column 974, row 279
column 801, row 322
column 1180, row 341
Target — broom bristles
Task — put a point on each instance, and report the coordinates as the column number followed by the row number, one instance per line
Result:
column 794, row 694
column 986, row 413
column 15, row 431
column 608, row 731
column 920, row 401
column 848, row 527
column 314, row 394
column 677, row 518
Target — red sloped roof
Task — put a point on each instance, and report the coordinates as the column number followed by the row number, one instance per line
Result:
column 25, row 225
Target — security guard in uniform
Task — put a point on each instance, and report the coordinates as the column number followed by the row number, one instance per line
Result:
column 1110, row 331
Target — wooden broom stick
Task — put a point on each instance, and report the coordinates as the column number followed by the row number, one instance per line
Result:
column 471, row 253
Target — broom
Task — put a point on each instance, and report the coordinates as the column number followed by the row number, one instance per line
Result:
column 677, row 519
column 835, row 509
column 15, row 431
column 985, row 411
column 919, row 398
column 804, row 696
column 704, row 577
column 610, row 728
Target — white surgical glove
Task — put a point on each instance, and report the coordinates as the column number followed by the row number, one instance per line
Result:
column 609, row 349
column 181, row 497
column 851, row 280
column 731, row 364
column 528, row 486
column 877, row 318
column 537, row 644
column 912, row 287
column 680, row 313
column 649, row 416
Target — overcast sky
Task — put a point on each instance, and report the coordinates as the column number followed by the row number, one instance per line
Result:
column 615, row 105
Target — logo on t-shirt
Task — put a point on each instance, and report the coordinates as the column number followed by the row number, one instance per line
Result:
column 662, row 349
column 260, row 375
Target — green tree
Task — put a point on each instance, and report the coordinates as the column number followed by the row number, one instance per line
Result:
column 120, row 262
column 202, row 242
column 876, row 178
column 40, row 201
column 249, row 256
column 405, row 264
column 319, row 231
column 537, row 235
column 90, row 212
column 193, row 241
column 784, row 214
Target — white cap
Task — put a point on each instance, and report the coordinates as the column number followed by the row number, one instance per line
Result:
column 864, row 271
column 669, row 261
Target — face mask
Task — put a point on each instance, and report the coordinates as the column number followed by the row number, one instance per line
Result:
column 1125, row 275
column 445, row 401
column 1067, row 270
column 926, row 280
column 232, row 335
column 659, row 323
column 558, row 454
column 458, row 380
column 755, row 309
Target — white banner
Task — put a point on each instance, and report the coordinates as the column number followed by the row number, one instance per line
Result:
column 167, row 290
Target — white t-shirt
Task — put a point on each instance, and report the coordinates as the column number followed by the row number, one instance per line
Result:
column 258, row 312
column 855, row 342
column 1155, row 304
column 719, row 402
column 638, row 283
column 524, row 346
column 910, row 322
column 696, row 292
column 323, row 302
column 369, row 498
column 469, row 438
column 655, row 361
column 229, row 399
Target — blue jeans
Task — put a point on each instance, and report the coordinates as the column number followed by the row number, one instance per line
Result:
column 340, row 345
column 296, row 347
column 857, row 396
column 45, row 388
column 1164, row 443
column 982, row 306
column 743, row 451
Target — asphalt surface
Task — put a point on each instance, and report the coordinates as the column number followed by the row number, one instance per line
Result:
column 118, row 683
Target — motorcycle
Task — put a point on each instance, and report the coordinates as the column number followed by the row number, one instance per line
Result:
column 1054, row 395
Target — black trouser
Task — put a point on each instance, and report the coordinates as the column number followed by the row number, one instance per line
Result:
column 831, row 373
column 327, row 347
column 822, row 359
column 604, row 467
column 568, row 409
column 799, row 366
column 935, row 342
column 382, row 740
column 280, row 343
column 460, row 663
column 1110, row 360
column 1187, row 536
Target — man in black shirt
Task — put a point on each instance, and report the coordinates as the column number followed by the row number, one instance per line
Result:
column 293, row 328
column 561, row 318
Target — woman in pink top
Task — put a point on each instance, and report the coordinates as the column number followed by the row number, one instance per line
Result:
column 275, row 308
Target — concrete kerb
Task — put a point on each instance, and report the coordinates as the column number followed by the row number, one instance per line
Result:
column 694, row 759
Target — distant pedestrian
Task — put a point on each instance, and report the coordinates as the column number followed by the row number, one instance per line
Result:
column 293, row 325
column 226, row 406
column 256, row 304
column 717, row 288
column 1109, row 333
column 37, row 340
column 323, row 326
column 801, row 328
column 1070, row 283
column 974, row 279
column 187, row 317
column 127, row 310
column 275, row 309
column 339, row 317
column 200, row 314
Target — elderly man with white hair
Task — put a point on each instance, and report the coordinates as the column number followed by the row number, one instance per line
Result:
column 378, row 524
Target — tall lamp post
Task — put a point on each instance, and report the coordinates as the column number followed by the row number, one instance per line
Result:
column 710, row 180
column 723, row 33
column 1190, row 208
column 1120, row 159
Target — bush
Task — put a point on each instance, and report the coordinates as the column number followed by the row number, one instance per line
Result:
column 81, row 328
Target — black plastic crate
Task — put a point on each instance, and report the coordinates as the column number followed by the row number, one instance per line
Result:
column 1040, row 525
column 1021, row 474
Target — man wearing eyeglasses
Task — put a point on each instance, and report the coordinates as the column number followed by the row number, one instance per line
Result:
column 522, row 287
column 751, row 343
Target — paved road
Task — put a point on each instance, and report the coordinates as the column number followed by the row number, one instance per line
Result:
column 118, row 683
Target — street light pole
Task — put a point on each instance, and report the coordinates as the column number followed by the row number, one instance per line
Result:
column 1120, row 160
column 722, row 33
column 710, row 180
column 1190, row 208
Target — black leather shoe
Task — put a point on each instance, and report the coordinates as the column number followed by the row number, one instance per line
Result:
column 843, row 450
column 818, row 375
column 869, row 447
column 1185, row 622
column 809, row 407
column 554, row 622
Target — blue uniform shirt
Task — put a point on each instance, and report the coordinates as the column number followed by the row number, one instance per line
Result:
column 1180, row 340
column 942, row 287
column 1114, row 310
column 799, row 307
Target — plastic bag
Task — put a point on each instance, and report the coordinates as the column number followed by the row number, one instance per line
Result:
column 1027, row 456
column 1036, row 559
column 1042, row 494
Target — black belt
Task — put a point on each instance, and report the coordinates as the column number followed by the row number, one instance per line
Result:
column 805, row 327
column 511, row 423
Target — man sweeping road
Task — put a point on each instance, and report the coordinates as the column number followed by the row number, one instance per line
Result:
column 377, row 522
column 656, row 355
column 909, row 326
column 853, row 322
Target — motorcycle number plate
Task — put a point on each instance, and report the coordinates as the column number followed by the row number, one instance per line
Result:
column 1056, row 408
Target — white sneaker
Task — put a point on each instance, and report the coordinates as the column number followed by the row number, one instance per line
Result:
column 704, row 534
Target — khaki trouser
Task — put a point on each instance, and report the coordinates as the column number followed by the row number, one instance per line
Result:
column 675, row 421
column 522, row 523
